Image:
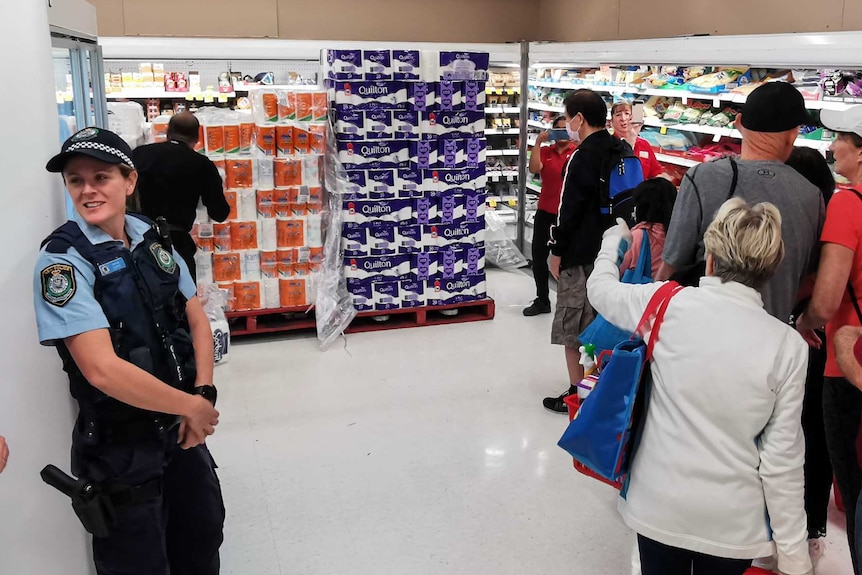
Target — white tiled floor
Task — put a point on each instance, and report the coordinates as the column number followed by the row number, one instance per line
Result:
column 422, row 451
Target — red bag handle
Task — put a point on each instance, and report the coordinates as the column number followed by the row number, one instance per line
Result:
column 656, row 307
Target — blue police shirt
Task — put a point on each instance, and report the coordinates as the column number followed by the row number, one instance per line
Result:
column 81, row 312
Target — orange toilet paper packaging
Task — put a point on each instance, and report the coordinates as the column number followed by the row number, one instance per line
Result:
column 227, row 287
column 243, row 235
column 282, row 202
column 290, row 233
column 286, row 106
column 230, row 197
column 227, row 267
column 265, row 139
column 287, row 172
column 247, row 295
column 303, row 107
column 284, row 140
column 269, row 264
column 246, row 136
column 214, row 139
column 317, row 136
column 239, row 173
column 231, row 139
column 286, row 258
column 293, row 292
column 319, row 106
column 270, row 106
column 266, row 203
column 301, row 140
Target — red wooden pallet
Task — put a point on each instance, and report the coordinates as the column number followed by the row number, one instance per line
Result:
column 296, row 318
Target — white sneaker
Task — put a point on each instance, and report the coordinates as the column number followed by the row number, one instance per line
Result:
column 816, row 549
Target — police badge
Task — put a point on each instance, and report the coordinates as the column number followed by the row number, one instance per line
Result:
column 58, row 284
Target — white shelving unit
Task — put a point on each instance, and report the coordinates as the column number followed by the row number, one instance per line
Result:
column 536, row 188
column 502, row 132
column 146, row 93
column 503, row 110
column 502, row 152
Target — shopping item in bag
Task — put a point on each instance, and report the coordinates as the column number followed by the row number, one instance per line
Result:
column 601, row 434
column 604, row 335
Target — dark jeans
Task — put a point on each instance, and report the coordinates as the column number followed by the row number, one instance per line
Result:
column 660, row 559
column 185, row 246
column 541, row 236
column 842, row 404
column 818, row 469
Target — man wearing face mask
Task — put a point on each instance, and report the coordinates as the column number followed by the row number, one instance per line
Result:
column 549, row 161
column 577, row 235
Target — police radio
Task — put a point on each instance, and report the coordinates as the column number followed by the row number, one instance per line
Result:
column 164, row 232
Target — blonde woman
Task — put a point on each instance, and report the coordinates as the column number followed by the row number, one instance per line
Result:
column 717, row 480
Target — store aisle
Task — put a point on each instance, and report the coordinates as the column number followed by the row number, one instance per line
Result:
column 422, row 451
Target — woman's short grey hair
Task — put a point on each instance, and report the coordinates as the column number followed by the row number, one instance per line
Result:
column 745, row 242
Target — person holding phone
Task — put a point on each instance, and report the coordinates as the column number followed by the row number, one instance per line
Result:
column 549, row 162
column 622, row 121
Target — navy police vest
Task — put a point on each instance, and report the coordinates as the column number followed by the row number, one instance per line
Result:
column 140, row 296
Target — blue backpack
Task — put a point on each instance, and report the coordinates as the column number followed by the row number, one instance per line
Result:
column 623, row 173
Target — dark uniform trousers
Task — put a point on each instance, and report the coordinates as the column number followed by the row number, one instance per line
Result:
column 176, row 532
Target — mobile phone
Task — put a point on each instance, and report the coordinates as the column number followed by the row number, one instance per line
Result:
column 555, row 134
column 637, row 113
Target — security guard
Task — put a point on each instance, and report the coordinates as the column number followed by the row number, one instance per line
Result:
column 121, row 310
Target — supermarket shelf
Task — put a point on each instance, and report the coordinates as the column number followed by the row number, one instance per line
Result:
column 538, row 124
column 145, row 93
column 502, row 152
column 684, row 94
column 545, row 107
column 719, row 132
column 676, row 160
column 535, row 187
column 497, row 175
column 502, row 132
column 503, row 110
column 500, row 91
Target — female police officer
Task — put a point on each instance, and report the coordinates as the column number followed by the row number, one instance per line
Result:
column 121, row 311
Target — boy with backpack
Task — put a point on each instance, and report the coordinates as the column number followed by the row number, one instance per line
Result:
column 596, row 190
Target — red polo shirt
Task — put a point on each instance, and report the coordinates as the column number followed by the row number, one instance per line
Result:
column 553, row 164
column 650, row 164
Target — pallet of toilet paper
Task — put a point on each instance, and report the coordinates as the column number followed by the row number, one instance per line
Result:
column 409, row 128
column 265, row 254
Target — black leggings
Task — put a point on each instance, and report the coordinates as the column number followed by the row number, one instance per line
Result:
column 818, row 469
column 660, row 559
column 541, row 236
column 842, row 404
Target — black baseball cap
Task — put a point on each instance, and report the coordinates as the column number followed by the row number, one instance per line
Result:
column 103, row 145
column 774, row 107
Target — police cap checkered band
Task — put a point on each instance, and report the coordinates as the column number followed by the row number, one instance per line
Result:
column 102, row 145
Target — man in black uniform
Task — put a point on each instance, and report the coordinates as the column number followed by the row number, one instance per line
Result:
column 173, row 177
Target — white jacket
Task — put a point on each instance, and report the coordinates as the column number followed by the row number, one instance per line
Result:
column 720, row 459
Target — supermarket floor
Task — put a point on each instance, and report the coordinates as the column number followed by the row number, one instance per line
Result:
column 422, row 451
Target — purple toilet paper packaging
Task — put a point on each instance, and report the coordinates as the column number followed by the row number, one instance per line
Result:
column 412, row 293
column 374, row 155
column 424, row 265
column 462, row 234
column 449, row 96
column 425, row 154
column 367, row 211
column 422, row 96
column 464, row 179
column 377, row 64
column 406, row 64
column 356, row 185
column 474, row 96
column 386, row 295
column 409, row 183
column 440, row 292
column 473, row 206
column 382, row 238
column 447, row 202
column 383, row 95
column 425, row 210
column 460, row 124
column 408, row 239
column 354, row 239
column 350, row 125
column 362, row 295
column 343, row 64
column 463, row 65
column 458, row 154
column 406, row 125
column 358, row 270
column 378, row 125
column 382, row 184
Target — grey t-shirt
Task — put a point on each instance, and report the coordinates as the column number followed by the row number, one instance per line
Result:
column 802, row 214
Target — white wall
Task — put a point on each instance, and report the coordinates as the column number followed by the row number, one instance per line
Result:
column 39, row 534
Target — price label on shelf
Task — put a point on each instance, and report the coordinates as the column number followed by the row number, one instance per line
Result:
column 190, row 97
column 222, row 98
column 663, row 130
column 492, row 203
column 512, row 202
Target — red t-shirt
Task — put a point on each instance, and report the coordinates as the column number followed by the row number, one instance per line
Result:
column 553, row 164
column 649, row 163
column 843, row 227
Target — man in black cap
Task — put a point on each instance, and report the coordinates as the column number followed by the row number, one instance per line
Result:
column 769, row 124
column 173, row 178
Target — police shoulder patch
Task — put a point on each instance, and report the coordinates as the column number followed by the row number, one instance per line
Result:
column 164, row 258
column 58, row 284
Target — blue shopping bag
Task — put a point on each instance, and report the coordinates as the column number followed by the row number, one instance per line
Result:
column 600, row 435
column 603, row 334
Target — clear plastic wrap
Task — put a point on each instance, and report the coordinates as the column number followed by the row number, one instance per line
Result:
column 214, row 301
column 334, row 305
column 500, row 251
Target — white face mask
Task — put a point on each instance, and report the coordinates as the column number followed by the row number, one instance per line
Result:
column 574, row 136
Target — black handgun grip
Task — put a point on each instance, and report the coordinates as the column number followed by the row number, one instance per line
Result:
column 60, row 481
